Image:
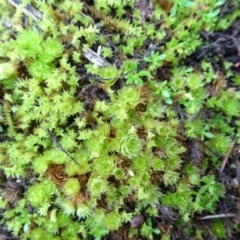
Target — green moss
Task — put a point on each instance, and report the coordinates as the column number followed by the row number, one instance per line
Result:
column 219, row 229
column 40, row 193
column 99, row 145
column 71, row 186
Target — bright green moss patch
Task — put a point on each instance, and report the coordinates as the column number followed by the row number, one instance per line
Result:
column 103, row 119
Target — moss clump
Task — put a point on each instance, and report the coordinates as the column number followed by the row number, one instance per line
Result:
column 100, row 138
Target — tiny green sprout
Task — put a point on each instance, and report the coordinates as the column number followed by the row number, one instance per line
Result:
column 209, row 193
column 132, row 75
column 148, row 231
column 205, row 132
column 130, row 65
column 162, row 90
column 134, row 78
column 155, row 60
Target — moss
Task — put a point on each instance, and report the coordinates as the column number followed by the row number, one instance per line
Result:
column 98, row 144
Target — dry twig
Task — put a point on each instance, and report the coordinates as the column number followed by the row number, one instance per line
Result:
column 223, row 215
column 228, row 154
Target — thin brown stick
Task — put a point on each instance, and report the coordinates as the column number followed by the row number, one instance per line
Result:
column 228, row 153
column 223, row 215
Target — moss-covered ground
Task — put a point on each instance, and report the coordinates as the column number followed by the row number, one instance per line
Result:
column 119, row 119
